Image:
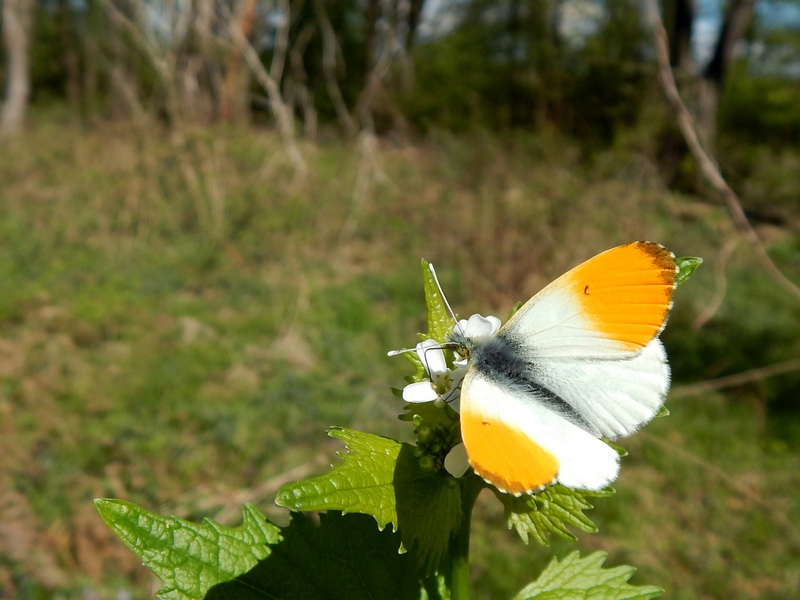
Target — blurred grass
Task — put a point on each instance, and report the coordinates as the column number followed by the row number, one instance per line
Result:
column 181, row 350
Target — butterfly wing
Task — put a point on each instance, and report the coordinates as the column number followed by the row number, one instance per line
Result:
column 615, row 396
column 590, row 337
column 611, row 305
column 579, row 360
column 515, row 442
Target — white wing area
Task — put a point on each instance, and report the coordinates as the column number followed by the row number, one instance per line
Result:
column 554, row 324
column 616, row 395
column 585, row 462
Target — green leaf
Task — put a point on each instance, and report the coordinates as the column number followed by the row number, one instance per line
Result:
column 383, row 478
column 363, row 483
column 576, row 578
column 550, row 511
column 687, row 265
column 420, row 374
column 440, row 321
column 341, row 557
column 428, row 509
column 190, row 558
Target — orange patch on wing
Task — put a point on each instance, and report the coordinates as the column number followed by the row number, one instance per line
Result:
column 626, row 292
column 504, row 456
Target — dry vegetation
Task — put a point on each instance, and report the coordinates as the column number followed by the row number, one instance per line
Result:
column 179, row 325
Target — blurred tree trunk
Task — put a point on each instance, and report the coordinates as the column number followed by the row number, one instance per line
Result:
column 414, row 17
column 233, row 102
column 199, row 61
column 95, row 31
column 17, row 20
column 371, row 43
column 70, row 57
column 734, row 27
column 124, row 98
column 546, row 58
column 679, row 21
column 706, row 85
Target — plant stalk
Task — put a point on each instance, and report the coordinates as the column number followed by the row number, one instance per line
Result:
column 458, row 576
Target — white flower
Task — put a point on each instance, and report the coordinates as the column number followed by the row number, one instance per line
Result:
column 444, row 382
column 478, row 328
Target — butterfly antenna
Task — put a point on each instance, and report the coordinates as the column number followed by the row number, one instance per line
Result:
column 401, row 351
column 441, row 293
column 449, row 310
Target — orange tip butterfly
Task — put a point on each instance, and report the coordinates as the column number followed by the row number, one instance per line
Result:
column 578, row 362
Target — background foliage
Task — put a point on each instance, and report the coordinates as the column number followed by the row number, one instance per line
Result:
column 185, row 309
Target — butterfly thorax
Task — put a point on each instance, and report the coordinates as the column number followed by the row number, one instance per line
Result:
column 498, row 359
column 494, row 355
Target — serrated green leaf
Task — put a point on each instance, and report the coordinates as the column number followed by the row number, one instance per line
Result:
column 687, row 265
column 342, row 557
column 440, row 322
column 190, row 558
column 550, row 511
column 576, row 578
column 383, row 478
column 363, row 483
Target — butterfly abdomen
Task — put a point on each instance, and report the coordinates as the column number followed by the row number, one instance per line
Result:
column 499, row 359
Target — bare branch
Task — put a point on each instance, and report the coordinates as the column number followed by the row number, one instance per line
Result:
column 283, row 115
column 708, row 166
column 721, row 282
column 330, row 48
column 789, row 528
column 282, row 42
column 297, row 85
column 737, row 379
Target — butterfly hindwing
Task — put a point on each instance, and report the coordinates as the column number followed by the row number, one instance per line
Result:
column 519, row 445
column 615, row 396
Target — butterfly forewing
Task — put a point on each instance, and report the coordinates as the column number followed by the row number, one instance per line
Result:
column 614, row 303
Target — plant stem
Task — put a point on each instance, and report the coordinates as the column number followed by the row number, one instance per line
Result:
column 458, row 576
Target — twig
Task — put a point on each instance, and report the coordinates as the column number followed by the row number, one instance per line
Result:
column 283, row 115
column 368, row 172
column 790, row 530
column 226, row 506
column 721, row 279
column 749, row 376
column 708, row 166
column 281, row 43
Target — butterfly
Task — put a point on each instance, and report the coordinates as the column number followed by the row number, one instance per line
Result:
column 579, row 362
